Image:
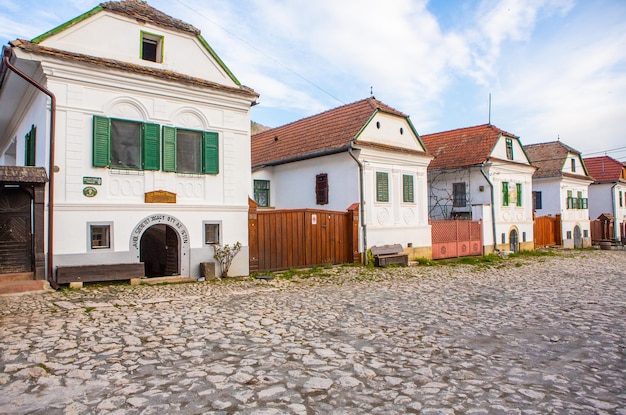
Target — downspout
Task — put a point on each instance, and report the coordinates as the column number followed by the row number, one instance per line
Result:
column 361, row 201
column 493, row 208
column 7, row 52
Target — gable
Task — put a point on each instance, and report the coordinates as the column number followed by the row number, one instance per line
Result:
column 554, row 159
column 183, row 49
column 500, row 150
column 390, row 130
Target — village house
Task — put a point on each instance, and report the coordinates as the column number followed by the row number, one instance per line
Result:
column 482, row 173
column 365, row 153
column 561, row 189
column 607, row 195
column 143, row 134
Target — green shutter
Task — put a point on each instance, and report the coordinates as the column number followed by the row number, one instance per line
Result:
column 101, row 140
column 505, row 193
column 382, row 187
column 519, row 193
column 210, row 153
column 30, row 139
column 169, row 149
column 407, row 188
column 150, row 147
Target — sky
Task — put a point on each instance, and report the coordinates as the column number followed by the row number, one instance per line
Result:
column 540, row 69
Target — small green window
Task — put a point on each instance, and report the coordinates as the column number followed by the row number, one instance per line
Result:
column 262, row 192
column 30, row 145
column 505, row 193
column 382, row 187
column 518, row 188
column 151, row 47
column 189, row 151
column 407, row 188
column 509, row 149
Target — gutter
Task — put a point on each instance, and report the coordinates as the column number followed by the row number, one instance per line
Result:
column 8, row 52
column 361, row 200
column 614, row 207
column 493, row 208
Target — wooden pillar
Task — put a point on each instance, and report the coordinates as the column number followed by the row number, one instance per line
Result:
column 39, row 232
column 353, row 215
column 253, row 236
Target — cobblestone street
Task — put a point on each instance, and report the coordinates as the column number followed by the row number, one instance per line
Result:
column 528, row 335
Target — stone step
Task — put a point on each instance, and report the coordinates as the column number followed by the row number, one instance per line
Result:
column 16, row 287
column 17, row 276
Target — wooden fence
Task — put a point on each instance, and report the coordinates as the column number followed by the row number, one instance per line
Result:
column 456, row 238
column 547, row 231
column 296, row 238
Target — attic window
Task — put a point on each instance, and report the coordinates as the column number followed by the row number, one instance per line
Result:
column 378, row 124
column 509, row 149
column 151, row 47
column 401, row 130
column 573, row 162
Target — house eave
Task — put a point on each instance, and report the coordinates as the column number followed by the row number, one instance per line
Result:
column 302, row 157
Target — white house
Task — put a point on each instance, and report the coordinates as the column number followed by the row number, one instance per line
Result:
column 482, row 173
column 147, row 145
column 366, row 153
column 561, row 187
column 607, row 194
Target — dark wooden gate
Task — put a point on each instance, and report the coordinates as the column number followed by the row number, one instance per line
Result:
column 296, row 238
column 547, row 230
column 16, row 239
column 456, row 238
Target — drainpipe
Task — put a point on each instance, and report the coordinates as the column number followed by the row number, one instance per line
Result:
column 361, row 201
column 493, row 208
column 8, row 52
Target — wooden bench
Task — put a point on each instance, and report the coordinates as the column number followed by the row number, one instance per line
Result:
column 389, row 255
column 76, row 275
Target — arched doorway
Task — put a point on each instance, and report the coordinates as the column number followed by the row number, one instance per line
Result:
column 514, row 241
column 578, row 240
column 159, row 250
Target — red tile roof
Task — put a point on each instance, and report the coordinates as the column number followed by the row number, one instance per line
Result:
column 464, row 146
column 605, row 169
column 549, row 158
column 330, row 131
column 129, row 67
column 142, row 11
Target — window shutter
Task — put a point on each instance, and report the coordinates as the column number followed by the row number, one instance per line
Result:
column 505, row 193
column 30, row 146
column 321, row 189
column 382, row 187
column 519, row 194
column 150, row 147
column 407, row 188
column 101, row 140
column 210, row 153
column 169, row 149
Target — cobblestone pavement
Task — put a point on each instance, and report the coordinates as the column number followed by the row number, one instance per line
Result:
column 539, row 335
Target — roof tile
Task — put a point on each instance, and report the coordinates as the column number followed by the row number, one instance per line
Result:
column 605, row 169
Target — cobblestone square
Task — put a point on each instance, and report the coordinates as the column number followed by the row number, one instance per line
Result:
column 527, row 335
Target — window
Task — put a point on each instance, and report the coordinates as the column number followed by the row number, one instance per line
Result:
column 211, row 233
column 578, row 202
column 407, row 188
column 537, row 200
column 459, row 195
column 30, row 140
column 505, row 193
column 321, row 189
column 100, row 236
column 573, row 164
column 151, row 47
column 509, row 149
column 382, row 187
column 518, row 189
column 262, row 192
column 125, row 144
column 188, row 151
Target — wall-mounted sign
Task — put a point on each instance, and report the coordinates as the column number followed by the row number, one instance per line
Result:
column 90, row 191
column 92, row 180
column 160, row 196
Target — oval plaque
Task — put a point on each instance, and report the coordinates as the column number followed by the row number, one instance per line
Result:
column 90, row 191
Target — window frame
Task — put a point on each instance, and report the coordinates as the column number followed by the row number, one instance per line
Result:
column 109, row 236
column 382, row 187
column 321, row 189
column 218, row 225
column 149, row 143
column 537, row 200
column 459, row 202
column 518, row 189
column 408, row 188
column 30, row 146
column 257, row 189
column 158, row 41
column 573, row 165
column 509, row 148
column 210, row 150
column 505, row 193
